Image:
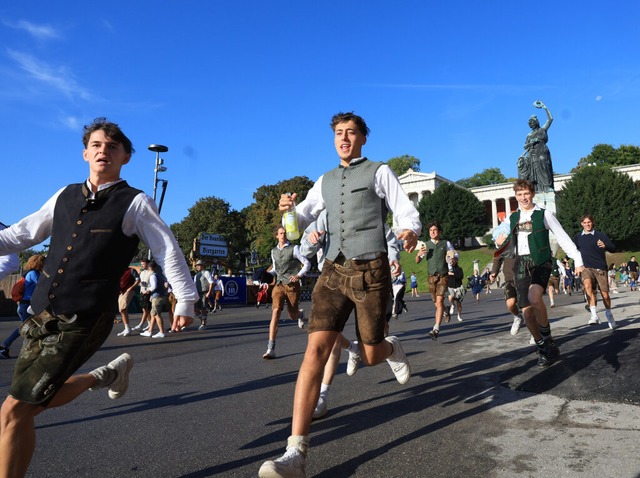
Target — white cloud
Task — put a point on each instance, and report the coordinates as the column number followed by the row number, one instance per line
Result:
column 58, row 78
column 71, row 122
column 41, row 32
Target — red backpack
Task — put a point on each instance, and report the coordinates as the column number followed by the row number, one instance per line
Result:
column 17, row 291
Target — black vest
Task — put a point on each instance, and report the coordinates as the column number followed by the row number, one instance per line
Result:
column 88, row 252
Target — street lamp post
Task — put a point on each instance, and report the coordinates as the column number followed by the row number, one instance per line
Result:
column 159, row 168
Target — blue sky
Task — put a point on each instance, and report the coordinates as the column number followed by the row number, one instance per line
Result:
column 242, row 92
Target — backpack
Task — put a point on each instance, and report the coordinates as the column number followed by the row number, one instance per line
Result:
column 17, row 291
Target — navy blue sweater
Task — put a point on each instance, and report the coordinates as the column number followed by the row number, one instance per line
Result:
column 593, row 256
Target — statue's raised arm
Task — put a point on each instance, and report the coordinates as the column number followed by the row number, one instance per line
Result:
column 540, row 104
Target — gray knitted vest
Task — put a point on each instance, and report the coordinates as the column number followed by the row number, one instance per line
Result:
column 286, row 263
column 355, row 214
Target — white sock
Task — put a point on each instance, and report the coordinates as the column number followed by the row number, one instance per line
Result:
column 516, row 317
column 593, row 309
column 324, row 389
column 353, row 347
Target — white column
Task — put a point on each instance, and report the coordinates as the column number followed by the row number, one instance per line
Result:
column 494, row 213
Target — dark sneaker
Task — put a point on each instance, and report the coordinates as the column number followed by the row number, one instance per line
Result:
column 4, row 352
column 549, row 353
column 434, row 334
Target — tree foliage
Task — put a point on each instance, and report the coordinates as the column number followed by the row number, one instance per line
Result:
column 263, row 215
column 607, row 155
column 485, row 178
column 459, row 212
column 609, row 196
column 214, row 216
column 401, row 164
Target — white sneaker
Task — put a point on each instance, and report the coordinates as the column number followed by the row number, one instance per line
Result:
column 125, row 333
column 122, row 365
column 146, row 327
column 290, row 465
column 202, row 327
column 398, row 361
column 459, row 318
column 610, row 319
column 301, row 318
column 145, row 334
column 269, row 354
column 517, row 323
column 136, row 328
column 452, row 309
column 353, row 363
column 321, row 407
column 158, row 335
column 594, row 320
column 532, row 341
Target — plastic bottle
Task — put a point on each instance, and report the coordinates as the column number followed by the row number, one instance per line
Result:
column 290, row 219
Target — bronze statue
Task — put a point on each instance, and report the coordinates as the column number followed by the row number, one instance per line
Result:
column 535, row 163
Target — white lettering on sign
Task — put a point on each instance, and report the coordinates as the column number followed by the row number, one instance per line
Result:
column 212, row 240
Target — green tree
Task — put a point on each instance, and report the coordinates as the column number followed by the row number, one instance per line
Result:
column 401, row 164
column 459, row 212
column 485, row 178
column 607, row 155
column 214, row 216
column 263, row 216
column 609, row 196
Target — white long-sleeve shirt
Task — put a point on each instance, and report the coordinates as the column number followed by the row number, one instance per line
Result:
column 552, row 224
column 141, row 219
column 8, row 263
column 386, row 186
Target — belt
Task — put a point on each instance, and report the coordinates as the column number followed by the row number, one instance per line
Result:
column 342, row 262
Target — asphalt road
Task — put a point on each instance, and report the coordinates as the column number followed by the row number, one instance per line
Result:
column 206, row 404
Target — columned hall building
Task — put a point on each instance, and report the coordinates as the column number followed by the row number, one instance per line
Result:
column 498, row 199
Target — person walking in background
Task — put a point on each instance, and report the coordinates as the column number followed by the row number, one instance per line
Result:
column 611, row 274
column 632, row 268
column 289, row 266
column 568, row 276
column 456, row 289
column 486, row 280
column 435, row 252
column 128, row 283
column 398, row 285
column 145, row 297
column 95, row 228
column 593, row 246
column 218, row 292
column 159, row 293
column 477, row 284
column 33, row 268
column 414, row 285
column 554, row 282
column 204, row 286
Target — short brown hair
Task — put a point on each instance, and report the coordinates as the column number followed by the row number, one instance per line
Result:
column 111, row 131
column 350, row 116
column 587, row 216
column 521, row 184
